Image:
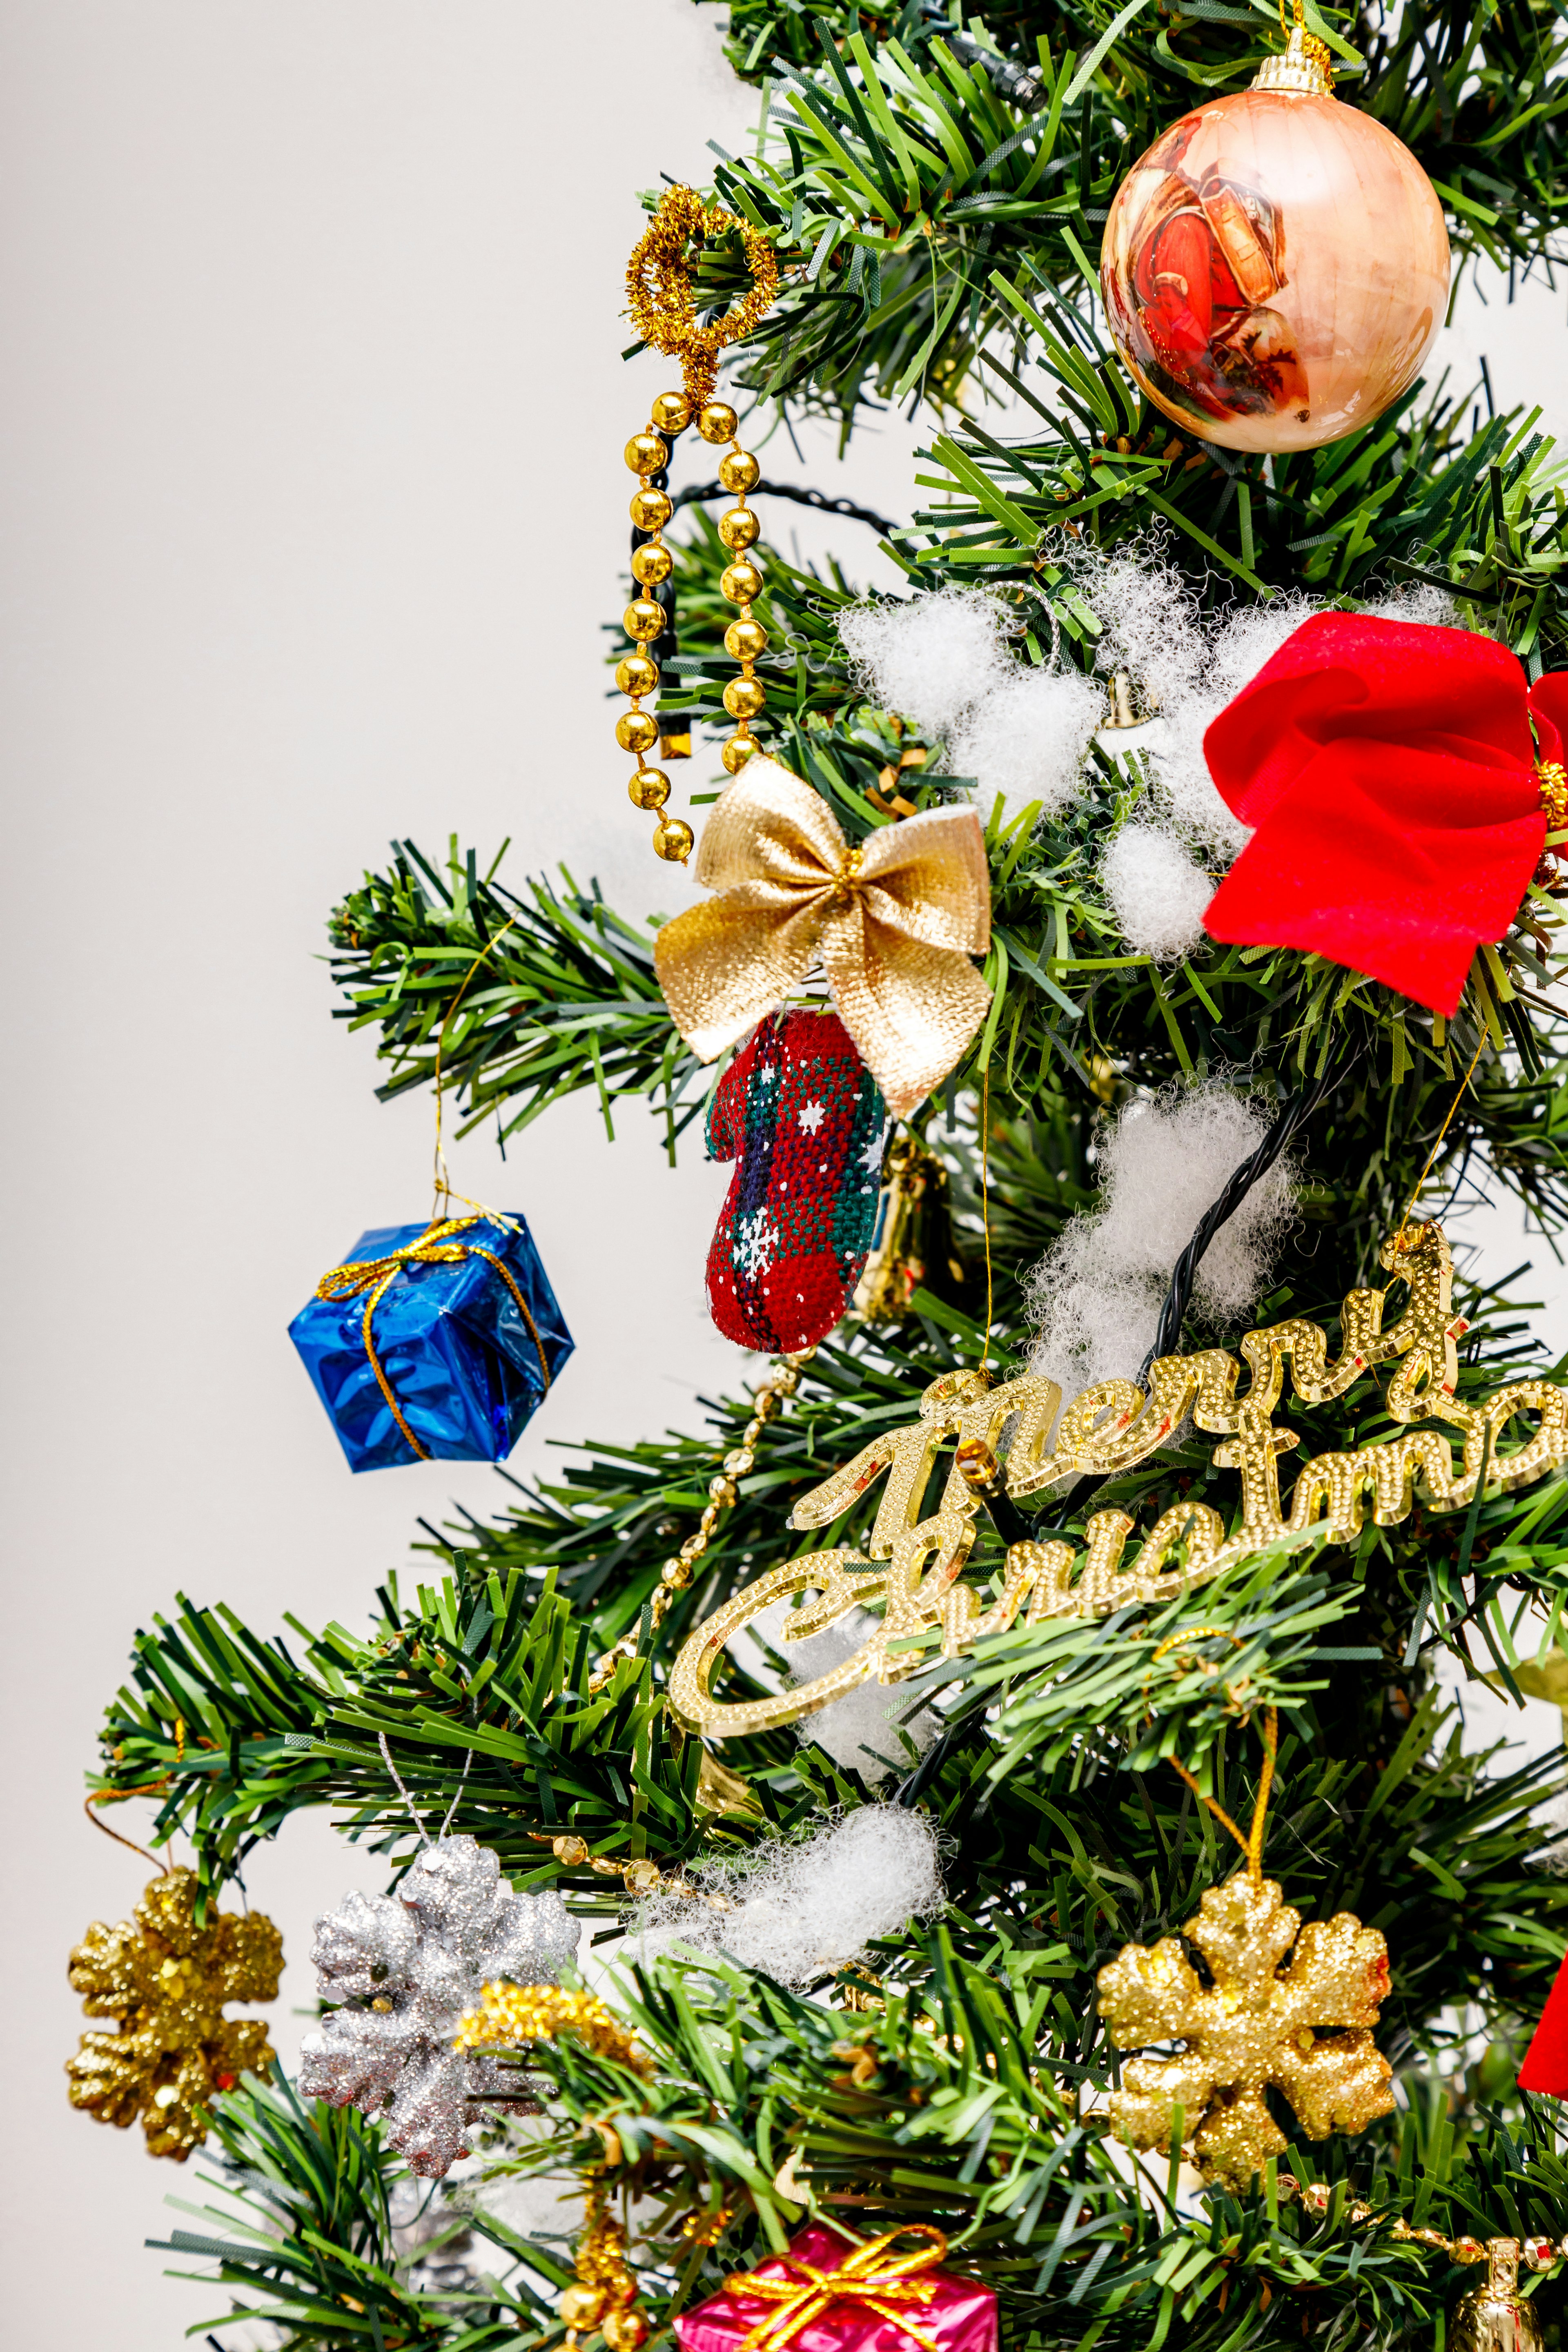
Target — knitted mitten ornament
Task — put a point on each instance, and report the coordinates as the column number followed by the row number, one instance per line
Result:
column 801, row 1115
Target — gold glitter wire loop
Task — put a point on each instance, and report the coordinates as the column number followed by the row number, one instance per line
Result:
column 661, row 299
column 1399, row 1240
column 509, row 2013
column 112, row 1797
column 1192, row 1634
column 1251, row 1842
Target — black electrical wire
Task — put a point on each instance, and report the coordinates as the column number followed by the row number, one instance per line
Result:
column 1293, row 1114
column 802, row 497
column 1024, row 86
column 665, row 645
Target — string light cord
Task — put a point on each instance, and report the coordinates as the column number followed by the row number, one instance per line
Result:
column 1293, row 1115
column 696, row 493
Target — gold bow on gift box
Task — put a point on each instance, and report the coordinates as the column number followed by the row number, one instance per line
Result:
column 869, row 2276
column 894, row 921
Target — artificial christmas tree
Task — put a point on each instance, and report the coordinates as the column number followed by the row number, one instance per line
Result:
column 1236, row 1471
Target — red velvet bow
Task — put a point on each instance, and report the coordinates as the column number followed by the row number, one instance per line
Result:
column 1389, row 774
column 1545, row 2066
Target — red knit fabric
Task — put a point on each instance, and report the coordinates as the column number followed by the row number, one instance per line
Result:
column 800, row 1112
column 1389, row 772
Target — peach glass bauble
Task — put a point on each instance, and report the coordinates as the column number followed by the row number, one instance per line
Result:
column 1275, row 268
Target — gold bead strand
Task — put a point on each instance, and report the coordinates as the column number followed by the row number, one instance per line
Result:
column 742, row 583
column 636, row 730
column 722, row 1496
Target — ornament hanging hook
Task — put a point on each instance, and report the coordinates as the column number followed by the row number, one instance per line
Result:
column 403, row 1792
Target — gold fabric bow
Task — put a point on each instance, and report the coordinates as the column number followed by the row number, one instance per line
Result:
column 894, row 921
column 435, row 1246
column 868, row 2276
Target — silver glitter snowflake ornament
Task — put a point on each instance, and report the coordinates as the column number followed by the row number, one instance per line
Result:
column 406, row 1965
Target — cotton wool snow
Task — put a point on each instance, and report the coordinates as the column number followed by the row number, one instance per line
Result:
column 797, row 1912
column 1095, row 1297
column 931, row 655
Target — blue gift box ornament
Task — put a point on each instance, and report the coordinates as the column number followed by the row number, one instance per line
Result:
column 434, row 1342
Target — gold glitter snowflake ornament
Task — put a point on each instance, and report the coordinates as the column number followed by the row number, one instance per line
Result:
column 1302, row 2028
column 166, row 1981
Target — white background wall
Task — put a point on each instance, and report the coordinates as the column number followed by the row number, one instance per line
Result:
column 310, row 414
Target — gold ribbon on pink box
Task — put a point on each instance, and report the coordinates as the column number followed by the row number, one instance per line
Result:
column 894, row 920
column 832, row 2291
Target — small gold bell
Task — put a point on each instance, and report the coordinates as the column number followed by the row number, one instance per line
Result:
column 1495, row 2317
column 1120, row 715
column 719, row 1791
column 913, row 1248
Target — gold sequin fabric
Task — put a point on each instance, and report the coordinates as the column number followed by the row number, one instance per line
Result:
column 166, row 1981
column 1262, row 2021
column 894, row 923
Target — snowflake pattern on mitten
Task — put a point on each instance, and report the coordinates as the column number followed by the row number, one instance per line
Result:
column 801, row 1114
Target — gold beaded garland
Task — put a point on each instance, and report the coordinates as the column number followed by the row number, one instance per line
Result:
column 745, row 639
column 672, row 839
column 636, row 730
column 738, row 529
column 651, row 566
column 723, row 1493
column 662, row 302
column 643, row 618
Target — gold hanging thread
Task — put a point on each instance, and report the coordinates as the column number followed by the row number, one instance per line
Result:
column 112, row 1797
column 722, row 1496
column 444, row 1195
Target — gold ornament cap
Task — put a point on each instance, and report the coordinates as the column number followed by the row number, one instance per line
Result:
column 1303, row 69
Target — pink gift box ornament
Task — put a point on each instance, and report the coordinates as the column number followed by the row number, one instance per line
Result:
column 834, row 2293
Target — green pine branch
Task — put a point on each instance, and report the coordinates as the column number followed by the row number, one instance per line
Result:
column 526, row 999
column 897, row 183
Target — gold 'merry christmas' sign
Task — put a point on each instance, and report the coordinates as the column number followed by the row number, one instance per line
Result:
column 913, row 1563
